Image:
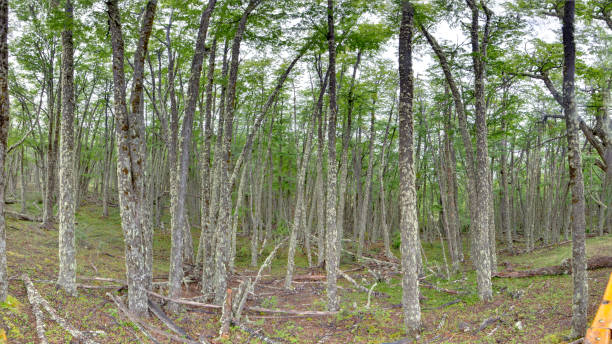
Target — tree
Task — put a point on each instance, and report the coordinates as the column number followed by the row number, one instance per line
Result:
column 67, row 269
column 408, row 219
column 332, row 254
column 4, row 126
column 178, row 215
column 579, row 274
column 129, row 131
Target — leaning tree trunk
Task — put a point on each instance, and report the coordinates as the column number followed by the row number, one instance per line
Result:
column 67, row 250
column 4, row 125
column 408, row 219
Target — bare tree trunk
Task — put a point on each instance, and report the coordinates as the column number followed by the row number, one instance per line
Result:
column 579, row 262
column 408, row 220
column 22, row 180
column 67, row 250
column 129, row 131
column 383, row 166
column 332, row 254
column 206, row 236
column 483, row 182
column 365, row 203
column 346, row 139
column 225, row 205
column 179, row 226
column 299, row 216
column 4, row 125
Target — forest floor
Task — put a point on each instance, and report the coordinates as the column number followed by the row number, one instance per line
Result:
column 525, row 310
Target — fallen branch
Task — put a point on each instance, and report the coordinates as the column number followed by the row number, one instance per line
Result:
column 131, row 317
column 159, row 313
column 593, row 263
column 253, row 309
column 486, row 323
column 359, row 286
column 61, row 321
column 183, row 301
column 40, row 326
column 291, row 312
column 428, row 285
column 255, row 333
column 373, row 260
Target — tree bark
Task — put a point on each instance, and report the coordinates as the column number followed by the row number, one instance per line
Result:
column 4, row 125
column 129, row 131
column 67, row 250
column 225, row 204
column 408, row 220
column 579, row 263
column 179, row 225
column 332, row 254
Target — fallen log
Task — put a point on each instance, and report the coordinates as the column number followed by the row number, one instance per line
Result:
column 593, row 263
column 252, row 309
column 61, row 321
column 40, row 325
column 21, row 216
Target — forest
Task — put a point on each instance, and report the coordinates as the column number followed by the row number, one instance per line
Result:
column 305, row 171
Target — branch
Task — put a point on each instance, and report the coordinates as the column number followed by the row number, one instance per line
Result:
column 18, row 143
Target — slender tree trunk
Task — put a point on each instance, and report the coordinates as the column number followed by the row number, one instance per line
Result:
column 22, row 180
column 332, row 254
column 579, row 273
column 225, row 205
column 365, row 203
column 205, row 247
column 408, row 219
column 505, row 197
column 4, row 125
column 179, row 224
column 67, row 250
column 383, row 166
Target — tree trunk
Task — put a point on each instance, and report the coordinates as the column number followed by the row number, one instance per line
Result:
column 179, row 224
column 225, row 204
column 408, row 219
column 129, row 131
column 365, row 203
column 205, row 247
column 4, row 125
column 579, row 264
column 67, row 250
